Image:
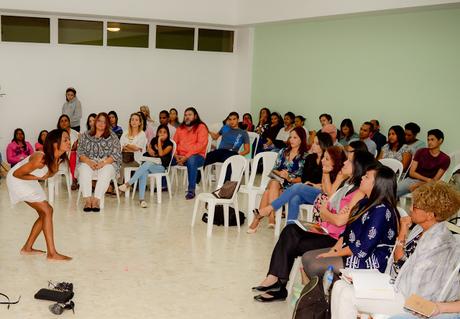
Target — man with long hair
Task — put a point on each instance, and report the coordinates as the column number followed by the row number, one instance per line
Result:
column 192, row 139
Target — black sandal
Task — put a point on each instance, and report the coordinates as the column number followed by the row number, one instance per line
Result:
column 280, row 295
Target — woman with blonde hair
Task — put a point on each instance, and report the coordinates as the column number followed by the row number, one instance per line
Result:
column 149, row 124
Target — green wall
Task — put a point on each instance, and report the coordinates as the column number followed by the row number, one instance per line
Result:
column 396, row 67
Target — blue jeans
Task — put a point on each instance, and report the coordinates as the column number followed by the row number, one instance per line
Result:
column 296, row 195
column 404, row 186
column 142, row 173
column 193, row 163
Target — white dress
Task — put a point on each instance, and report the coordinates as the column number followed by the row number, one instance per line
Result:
column 25, row 190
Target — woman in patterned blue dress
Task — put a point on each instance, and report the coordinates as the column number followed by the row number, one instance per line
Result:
column 287, row 170
column 371, row 230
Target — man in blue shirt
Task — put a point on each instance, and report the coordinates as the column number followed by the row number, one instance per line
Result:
column 232, row 139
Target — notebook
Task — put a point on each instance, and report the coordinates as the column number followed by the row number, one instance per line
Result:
column 420, row 305
column 311, row 227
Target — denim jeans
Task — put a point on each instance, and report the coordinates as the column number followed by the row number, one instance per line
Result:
column 142, row 173
column 193, row 163
column 296, row 195
column 404, row 186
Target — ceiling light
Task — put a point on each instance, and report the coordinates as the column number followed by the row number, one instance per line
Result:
column 113, row 29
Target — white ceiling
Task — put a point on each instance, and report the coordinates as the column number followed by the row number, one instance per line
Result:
column 216, row 12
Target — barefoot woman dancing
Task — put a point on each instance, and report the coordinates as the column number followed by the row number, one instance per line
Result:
column 23, row 186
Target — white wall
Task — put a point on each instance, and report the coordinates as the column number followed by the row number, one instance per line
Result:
column 197, row 11
column 35, row 76
column 260, row 11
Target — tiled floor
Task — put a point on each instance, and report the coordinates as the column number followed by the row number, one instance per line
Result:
column 136, row 263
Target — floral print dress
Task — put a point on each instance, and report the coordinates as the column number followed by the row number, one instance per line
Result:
column 294, row 167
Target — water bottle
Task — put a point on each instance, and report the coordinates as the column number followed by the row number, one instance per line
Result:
column 327, row 281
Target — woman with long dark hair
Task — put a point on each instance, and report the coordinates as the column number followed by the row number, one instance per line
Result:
column 90, row 121
column 41, row 140
column 174, row 117
column 264, row 121
column 23, row 186
column 347, row 132
column 288, row 170
column 19, row 148
column 64, row 124
column 396, row 147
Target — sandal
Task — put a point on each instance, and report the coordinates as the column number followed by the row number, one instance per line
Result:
column 275, row 287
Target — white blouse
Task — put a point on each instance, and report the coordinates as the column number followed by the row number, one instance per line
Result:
column 140, row 140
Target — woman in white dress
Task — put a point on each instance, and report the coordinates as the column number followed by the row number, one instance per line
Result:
column 23, row 186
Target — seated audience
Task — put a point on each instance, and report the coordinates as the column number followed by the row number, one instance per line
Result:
column 41, row 140
column 325, row 119
column 64, row 124
column 160, row 149
column 429, row 164
column 133, row 144
column 288, row 169
column 149, row 124
column 347, row 132
column 268, row 137
column 348, row 178
column 19, row 148
column 423, row 258
column 113, row 119
column 174, row 118
column 376, row 136
column 163, row 118
column 283, row 134
column 264, row 121
column 72, row 108
column 364, row 135
column 192, row 139
column 411, row 131
column 247, row 123
column 99, row 152
column 332, row 131
column 300, row 122
column 294, row 241
column 90, row 121
column 396, row 147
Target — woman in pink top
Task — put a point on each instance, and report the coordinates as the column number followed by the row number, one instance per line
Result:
column 41, row 141
column 19, row 148
column 294, row 241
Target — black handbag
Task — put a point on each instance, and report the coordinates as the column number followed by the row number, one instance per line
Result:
column 127, row 157
column 54, row 295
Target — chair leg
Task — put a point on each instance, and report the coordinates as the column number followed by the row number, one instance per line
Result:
column 115, row 185
column 237, row 213
column 246, row 174
column 159, row 188
column 195, row 211
column 293, row 274
column 127, row 176
column 211, row 209
column 168, row 184
column 68, row 180
column 226, row 215
column 203, row 179
column 134, row 189
column 152, row 186
column 79, row 194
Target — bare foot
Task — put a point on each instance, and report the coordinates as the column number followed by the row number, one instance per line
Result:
column 58, row 257
column 31, row 251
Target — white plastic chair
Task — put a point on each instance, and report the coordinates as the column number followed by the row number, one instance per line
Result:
column 156, row 178
column 268, row 160
column 54, row 182
column 237, row 163
column 176, row 168
column 395, row 165
column 101, row 204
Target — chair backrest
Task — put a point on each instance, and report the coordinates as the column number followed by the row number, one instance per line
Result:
column 454, row 165
column 219, row 140
column 253, row 142
column 268, row 161
column 238, row 164
column 173, row 152
column 394, row 164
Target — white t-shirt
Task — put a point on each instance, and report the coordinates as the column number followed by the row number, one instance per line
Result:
column 283, row 135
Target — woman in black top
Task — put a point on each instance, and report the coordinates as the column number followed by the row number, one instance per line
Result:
column 268, row 137
column 160, row 150
column 312, row 169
